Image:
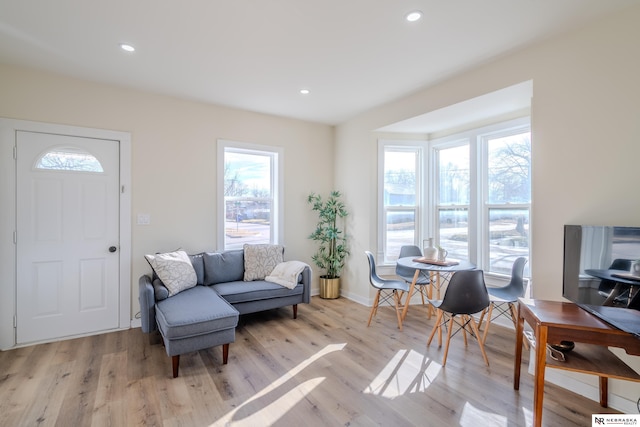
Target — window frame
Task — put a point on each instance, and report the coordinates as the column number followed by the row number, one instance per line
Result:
column 454, row 141
column 422, row 190
column 501, row 130
column 428, row 205
column 478, row 138
column 276, row 155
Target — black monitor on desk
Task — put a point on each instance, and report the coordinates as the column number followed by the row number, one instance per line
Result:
column 610, row 254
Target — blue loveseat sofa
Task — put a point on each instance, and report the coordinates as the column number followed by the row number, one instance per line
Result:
column 206, row 314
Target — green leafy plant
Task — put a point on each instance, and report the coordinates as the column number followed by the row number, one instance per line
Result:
column 332, row 251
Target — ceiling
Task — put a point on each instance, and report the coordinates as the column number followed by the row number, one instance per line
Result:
column 257, row 54
column 469, row 113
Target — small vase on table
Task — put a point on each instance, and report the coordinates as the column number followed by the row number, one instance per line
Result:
column 430, row 251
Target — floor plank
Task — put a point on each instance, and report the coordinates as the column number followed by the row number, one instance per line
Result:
column 325, row 368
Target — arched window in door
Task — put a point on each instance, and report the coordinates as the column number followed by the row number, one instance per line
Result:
column 69, row 159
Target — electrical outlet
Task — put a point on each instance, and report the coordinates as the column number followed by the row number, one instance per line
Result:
column 144, row 219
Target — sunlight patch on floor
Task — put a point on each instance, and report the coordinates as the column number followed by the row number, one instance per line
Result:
column 528, row 416
column 474, row 417
column 271, row 413
column 407, row 372
column 280, row 405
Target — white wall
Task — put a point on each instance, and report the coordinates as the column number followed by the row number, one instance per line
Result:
column 585, row 144
column 174, row 157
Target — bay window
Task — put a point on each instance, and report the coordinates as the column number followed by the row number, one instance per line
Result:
column 470, row 191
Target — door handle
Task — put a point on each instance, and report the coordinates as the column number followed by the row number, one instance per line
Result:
column 112, row 249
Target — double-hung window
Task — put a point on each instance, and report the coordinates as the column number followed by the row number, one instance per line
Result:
column 401, row 185
column 249, row 189
column 483, row 196
column 453, row 197
column 470, row 191
column 506, row 197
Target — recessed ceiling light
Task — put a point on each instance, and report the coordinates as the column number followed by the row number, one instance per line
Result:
column 413, row 16
column 305, row 91
column 127, row 47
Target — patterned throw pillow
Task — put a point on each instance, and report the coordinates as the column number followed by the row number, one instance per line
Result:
column 260, row 260
column 175, row 270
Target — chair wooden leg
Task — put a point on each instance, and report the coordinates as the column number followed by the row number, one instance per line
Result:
column 465, row 319
column 514, row 314
column 430, row 309
column 446, row 347
column 488, row 323
column 377, row 303
column 374, row 308
column 175, row 362
column 396, row 298
column 480, row 342
column 482, row 314
column 443, row 321
column 436, row 326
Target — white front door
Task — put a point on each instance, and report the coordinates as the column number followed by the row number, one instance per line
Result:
column 68, row 220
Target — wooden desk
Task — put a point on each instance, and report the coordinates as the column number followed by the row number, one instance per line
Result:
column 553, row 322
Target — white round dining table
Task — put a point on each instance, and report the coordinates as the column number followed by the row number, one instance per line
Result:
column 438, row 271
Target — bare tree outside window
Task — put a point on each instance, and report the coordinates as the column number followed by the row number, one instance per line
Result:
column 479, row 205
column 510, row 169
column 69, row 159
column 248, row 197
column 508, row 200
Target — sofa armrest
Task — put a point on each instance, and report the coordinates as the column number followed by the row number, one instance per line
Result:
column 146, row 297
column 306, row 281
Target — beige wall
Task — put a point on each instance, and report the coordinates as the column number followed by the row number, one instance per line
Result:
column 585, row 127
column 585, row 143
column 174, row 156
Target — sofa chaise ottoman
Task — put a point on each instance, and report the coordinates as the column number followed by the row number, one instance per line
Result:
column 209, row 321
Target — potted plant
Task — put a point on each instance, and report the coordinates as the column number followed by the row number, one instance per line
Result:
column 332, row 251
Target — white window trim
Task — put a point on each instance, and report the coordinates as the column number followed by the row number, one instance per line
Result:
column 457, row 140
column 277, row 184
column 477, row 139
column 423, row 219
column 426, row 223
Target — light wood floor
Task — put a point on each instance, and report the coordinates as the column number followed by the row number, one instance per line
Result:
column 324, row 369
